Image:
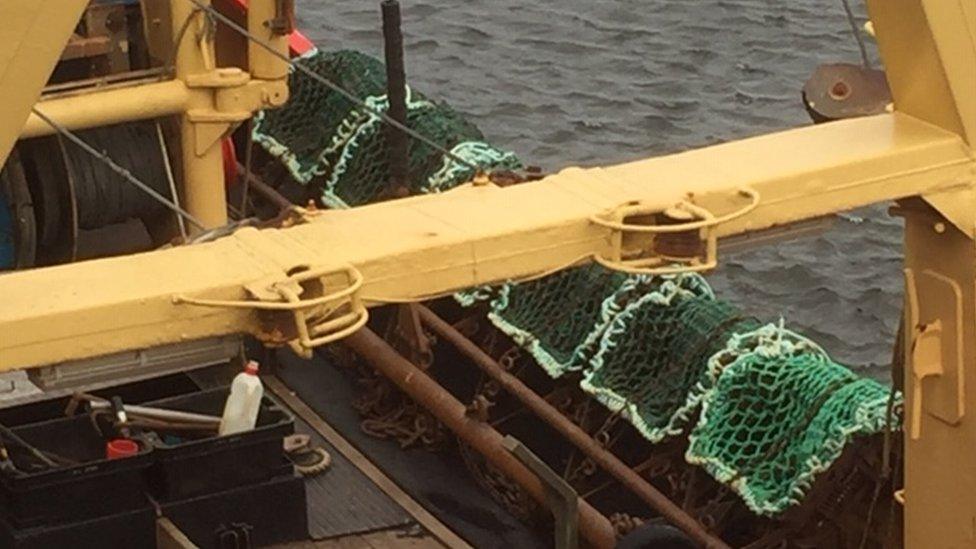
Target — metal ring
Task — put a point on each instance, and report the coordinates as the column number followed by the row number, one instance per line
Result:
column 706, row 218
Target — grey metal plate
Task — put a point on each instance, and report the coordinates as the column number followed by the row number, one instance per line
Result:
column 343, row 501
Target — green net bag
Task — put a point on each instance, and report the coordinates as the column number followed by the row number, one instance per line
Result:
column 652, row 361
column 774, row 409
column 557, row 317
column 321, row 136
column 307, row 132
column 779, row 413
column 361, row 173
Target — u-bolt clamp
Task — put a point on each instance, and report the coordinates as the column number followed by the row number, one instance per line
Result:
column 705, row 223
column 320, row 319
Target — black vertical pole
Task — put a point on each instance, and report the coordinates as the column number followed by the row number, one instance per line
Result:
column 396, row 140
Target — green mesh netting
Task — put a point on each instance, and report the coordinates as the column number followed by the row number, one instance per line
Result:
column 304, row 135
column 767, row 410
column 775, row 411
column 557, row 317
column 780, row 413
column 325, row 139
column 652, row 362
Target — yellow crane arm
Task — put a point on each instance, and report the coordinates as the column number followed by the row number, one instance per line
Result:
column 310, row 283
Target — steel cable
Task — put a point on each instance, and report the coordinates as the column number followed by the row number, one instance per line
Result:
column 115, row 167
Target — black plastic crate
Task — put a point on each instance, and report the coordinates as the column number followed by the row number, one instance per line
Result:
column 261, row 514
column 197, row 466
column 128, row 530
column 130, row 393
column 94, row 486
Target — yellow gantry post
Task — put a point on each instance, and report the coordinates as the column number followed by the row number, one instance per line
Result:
column 200, row 130
column 221, row 98
column 929, row 51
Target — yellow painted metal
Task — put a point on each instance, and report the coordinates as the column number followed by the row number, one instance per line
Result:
column 930, row 59
column 940, row 382
column 929, row 52
column 211, row 101
column 109, row 107
column 218, row 100
column 203, row 170
column 32, row 37
column 427, row 245
column 308, row 284
column 262, row 63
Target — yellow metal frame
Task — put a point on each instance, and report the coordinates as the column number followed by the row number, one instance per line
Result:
column 705, row 225
column 32, row 37
column 210, row 101
column 316, row 321
column 252, row 281
column 418, row 247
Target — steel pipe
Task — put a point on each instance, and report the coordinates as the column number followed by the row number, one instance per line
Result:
column 104, row 108
column 159, row 413
column 577, row 436
column 594, row 527
column 265, row 190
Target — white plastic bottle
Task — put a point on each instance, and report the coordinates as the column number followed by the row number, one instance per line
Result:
column 244, row 402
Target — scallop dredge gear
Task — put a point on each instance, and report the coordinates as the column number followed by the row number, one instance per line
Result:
column 767, row 409
column 326, row 140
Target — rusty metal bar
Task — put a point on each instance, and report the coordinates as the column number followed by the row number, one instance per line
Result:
column 594, row 527
column 265, row 190
column 577, row 436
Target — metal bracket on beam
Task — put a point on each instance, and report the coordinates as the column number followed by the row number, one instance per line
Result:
column 562, row 499
column 640, row 242
column 321, row 318
column 935, row 351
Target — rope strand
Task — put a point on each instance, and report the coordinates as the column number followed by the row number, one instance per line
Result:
column 857, row 34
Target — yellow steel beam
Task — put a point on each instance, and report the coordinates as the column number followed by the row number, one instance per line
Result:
column 200, row 132
column 103, row 108
column 929, row 52
column 417, row 247
column 32, row 37
column 219, row 99
column 940, row 374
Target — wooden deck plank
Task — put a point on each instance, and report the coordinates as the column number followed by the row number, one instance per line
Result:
column 387, row 539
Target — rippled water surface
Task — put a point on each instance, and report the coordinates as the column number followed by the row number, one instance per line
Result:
column 574, row 82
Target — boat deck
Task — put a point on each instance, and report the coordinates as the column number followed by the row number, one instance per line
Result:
column 374, row 495
column 353, row 504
